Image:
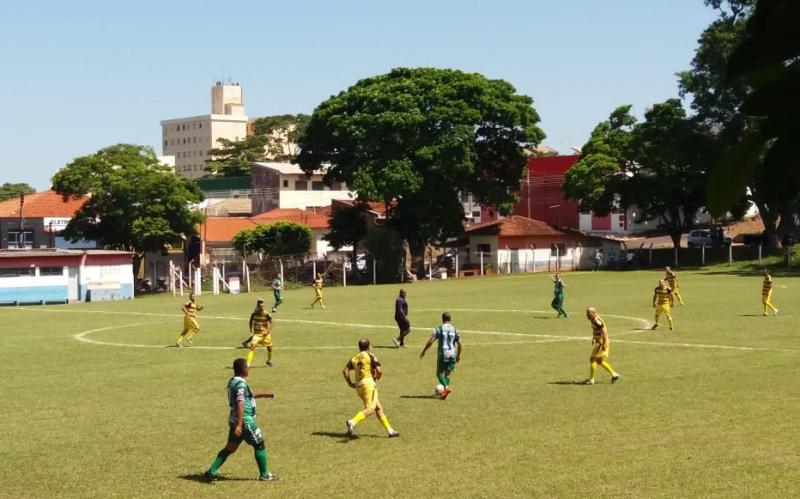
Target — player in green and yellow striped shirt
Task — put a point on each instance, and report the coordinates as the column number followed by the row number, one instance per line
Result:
column 766, row 293
column 662, row 300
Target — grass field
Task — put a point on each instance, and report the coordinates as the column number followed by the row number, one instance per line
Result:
column 710, row 409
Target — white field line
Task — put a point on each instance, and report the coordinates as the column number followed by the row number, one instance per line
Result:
column 83, row 337
column 547, row 337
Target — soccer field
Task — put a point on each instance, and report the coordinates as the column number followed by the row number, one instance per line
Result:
column 93, row 403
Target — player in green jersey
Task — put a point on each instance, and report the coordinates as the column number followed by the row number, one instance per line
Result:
column 448, row 351
column 242, row 422
column 277, row 291
column 558, row 295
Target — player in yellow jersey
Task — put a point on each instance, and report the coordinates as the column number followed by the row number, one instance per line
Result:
column 317, row 285
column 672, row 282
column 190, row 325
column 368, row 372
column 260, row 333
column 766, row 293
column 600, row 347
column 662, row 299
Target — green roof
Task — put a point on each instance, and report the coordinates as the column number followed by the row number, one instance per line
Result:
column 224, row 183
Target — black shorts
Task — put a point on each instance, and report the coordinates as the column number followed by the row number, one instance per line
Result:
column 403, row 324
column 250, row 434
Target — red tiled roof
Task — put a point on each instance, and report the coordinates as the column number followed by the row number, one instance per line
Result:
column 42, row 204
column 373, row 206
column 514, row 225
column 309, row 218
column 222, row 229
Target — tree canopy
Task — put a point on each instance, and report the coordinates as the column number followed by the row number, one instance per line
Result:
column 281, row 133
column 768, row 62
column 8, row 191
column 657, row 166
column 417, row 138
column 276, row 239
column 135, row 203
column 234, row 158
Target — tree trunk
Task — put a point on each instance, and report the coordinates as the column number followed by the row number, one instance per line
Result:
column 137, row 265
column 417, row 250
column 769, row 218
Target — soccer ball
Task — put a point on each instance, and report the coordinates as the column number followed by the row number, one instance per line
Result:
column 439, row 389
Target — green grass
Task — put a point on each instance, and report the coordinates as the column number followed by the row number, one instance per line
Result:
column 89, row 420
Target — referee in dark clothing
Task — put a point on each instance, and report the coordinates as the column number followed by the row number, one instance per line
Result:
column 401, row 317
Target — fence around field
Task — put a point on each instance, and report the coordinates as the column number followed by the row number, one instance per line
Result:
column 234, row 275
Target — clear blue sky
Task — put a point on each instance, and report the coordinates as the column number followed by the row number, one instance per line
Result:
column 80, row 75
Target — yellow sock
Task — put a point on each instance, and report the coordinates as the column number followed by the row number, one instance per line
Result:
column 608, row 367
column 250, row 355
column 183, row 335
column 358, row 418
column 191, row 334
column 592, row 369
column 669, row 319
column 385, row 422
column 269, row 355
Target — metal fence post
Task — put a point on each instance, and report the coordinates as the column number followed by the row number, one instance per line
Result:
column 730, row 254
column 703, row 255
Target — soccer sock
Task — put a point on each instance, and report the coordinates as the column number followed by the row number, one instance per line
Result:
column 385, row 422
column 669, row 319
column 219, row 461
column 269, row 355
column 443, row 379
column 250, row 355
column 592, row 369
column 358, row 418
column 191, row 334
column 183, row 335
column 608, row 368
column 261, row 459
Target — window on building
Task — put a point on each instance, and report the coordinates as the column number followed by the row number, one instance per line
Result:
column 166, row 143
column 45, row 271
column 336, row 186
column 20, row 239
column 17, row 272
column 300, row 185
column 317, row 185
column 286, row 183
column 201, row 125
column 484, row 248
column 476, row 215
column 558, row 249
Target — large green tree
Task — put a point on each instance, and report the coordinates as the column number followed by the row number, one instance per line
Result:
column 275, row 239
column 234, row 158
column 8, row 191
column 135, row 203
column 767, row 62
column 657, row 166
column 416, row 138
column 281, row 133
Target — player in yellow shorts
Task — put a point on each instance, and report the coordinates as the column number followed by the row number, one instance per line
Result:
column 190, row 325
column 600, row 347
column 317, row 285
column 766, row 293
column 672, row 282
column 260, row 333
column 368, row 372
column 662, row 299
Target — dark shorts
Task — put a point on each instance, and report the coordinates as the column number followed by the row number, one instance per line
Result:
column 403, row 324
column 445, row 364
column 250, row 434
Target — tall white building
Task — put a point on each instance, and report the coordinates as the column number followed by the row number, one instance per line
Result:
column 190, row 139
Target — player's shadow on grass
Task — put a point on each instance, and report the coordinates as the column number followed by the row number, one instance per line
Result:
column 567, row 382
column 341, row 435
column 751, row 315
column 201, row 478
column 387, row 347
column 432, row 397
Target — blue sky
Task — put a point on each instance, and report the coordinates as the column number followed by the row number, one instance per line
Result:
column 80, row 75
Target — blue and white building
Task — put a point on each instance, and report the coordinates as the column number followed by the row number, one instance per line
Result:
column 63, row 276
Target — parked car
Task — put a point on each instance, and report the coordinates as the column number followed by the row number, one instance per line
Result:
column 705, row 237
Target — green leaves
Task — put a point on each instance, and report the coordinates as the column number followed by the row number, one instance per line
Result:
column 277, row 239
column 8, row 191
column 235, row 158
column 135, row 204
column 417, row 137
